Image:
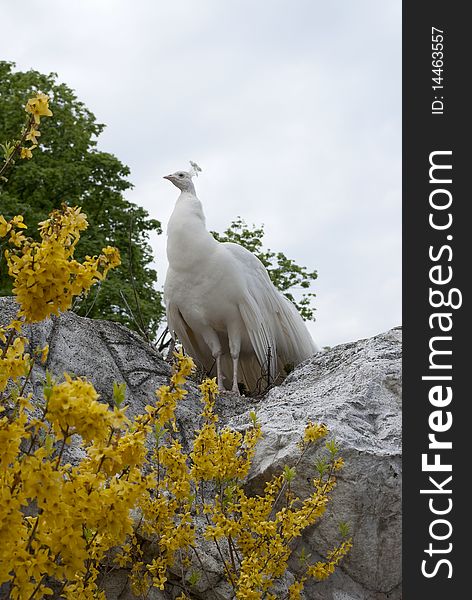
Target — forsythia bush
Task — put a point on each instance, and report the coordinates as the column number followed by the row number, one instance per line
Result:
column 61, row 525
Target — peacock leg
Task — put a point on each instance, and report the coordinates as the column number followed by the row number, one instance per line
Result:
column 235, row 374
column 234, row 342
column 219, row 374
column 212, row 341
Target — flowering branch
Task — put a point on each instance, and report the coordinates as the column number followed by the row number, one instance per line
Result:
column 37, row 107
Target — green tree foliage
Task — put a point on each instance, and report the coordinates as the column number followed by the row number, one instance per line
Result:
column 284, row 272
column 68, row 167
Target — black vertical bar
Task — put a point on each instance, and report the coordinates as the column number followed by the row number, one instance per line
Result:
column 436, row 121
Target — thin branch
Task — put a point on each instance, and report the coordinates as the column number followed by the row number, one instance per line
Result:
column 11, row 159
column 99, row 287
column 131, row 314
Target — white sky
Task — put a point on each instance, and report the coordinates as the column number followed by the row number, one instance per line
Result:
column 291, row 107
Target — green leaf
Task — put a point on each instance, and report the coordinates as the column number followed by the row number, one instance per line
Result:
column 159, row 432
column 48, row 385
column 194, row 578
column 88, row 534
column 119, row 393
column 332, row 447
column 49, row 444
column 303, row 556
column 289, row 473
column 253, row 417
column 321, row 466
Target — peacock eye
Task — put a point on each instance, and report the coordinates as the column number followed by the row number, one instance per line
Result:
column 181, row 174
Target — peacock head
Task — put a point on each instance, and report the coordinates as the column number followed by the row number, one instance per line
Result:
column 183, row 179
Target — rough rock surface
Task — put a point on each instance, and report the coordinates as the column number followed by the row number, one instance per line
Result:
column 354, row 388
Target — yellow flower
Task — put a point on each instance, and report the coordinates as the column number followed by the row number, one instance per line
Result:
column 73, row 407
column 27, row 152
column 44, row 353
column 11, row 435
column 17, row 238
column 18, row 222
column 32, row 135
column 158, row 570
column 13, row 362
column 46, row 276
column 111, row 257
column 38, row 107
column 16, row 324
column 4, row 226
column 295, row 590
column 314, row 432
column 319, row 571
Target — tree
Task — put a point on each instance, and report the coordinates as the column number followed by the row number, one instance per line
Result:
column 68, row 167
column 284, row 272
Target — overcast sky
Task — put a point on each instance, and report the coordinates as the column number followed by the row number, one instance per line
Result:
column 292, row 109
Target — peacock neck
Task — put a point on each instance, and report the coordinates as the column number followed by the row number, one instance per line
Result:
column 188, row 216
column 187, row 236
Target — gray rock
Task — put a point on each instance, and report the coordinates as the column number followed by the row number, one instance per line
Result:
column 354, row 388
column 103, row 352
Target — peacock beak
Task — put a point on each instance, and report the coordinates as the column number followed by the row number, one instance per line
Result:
column 169, row 177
